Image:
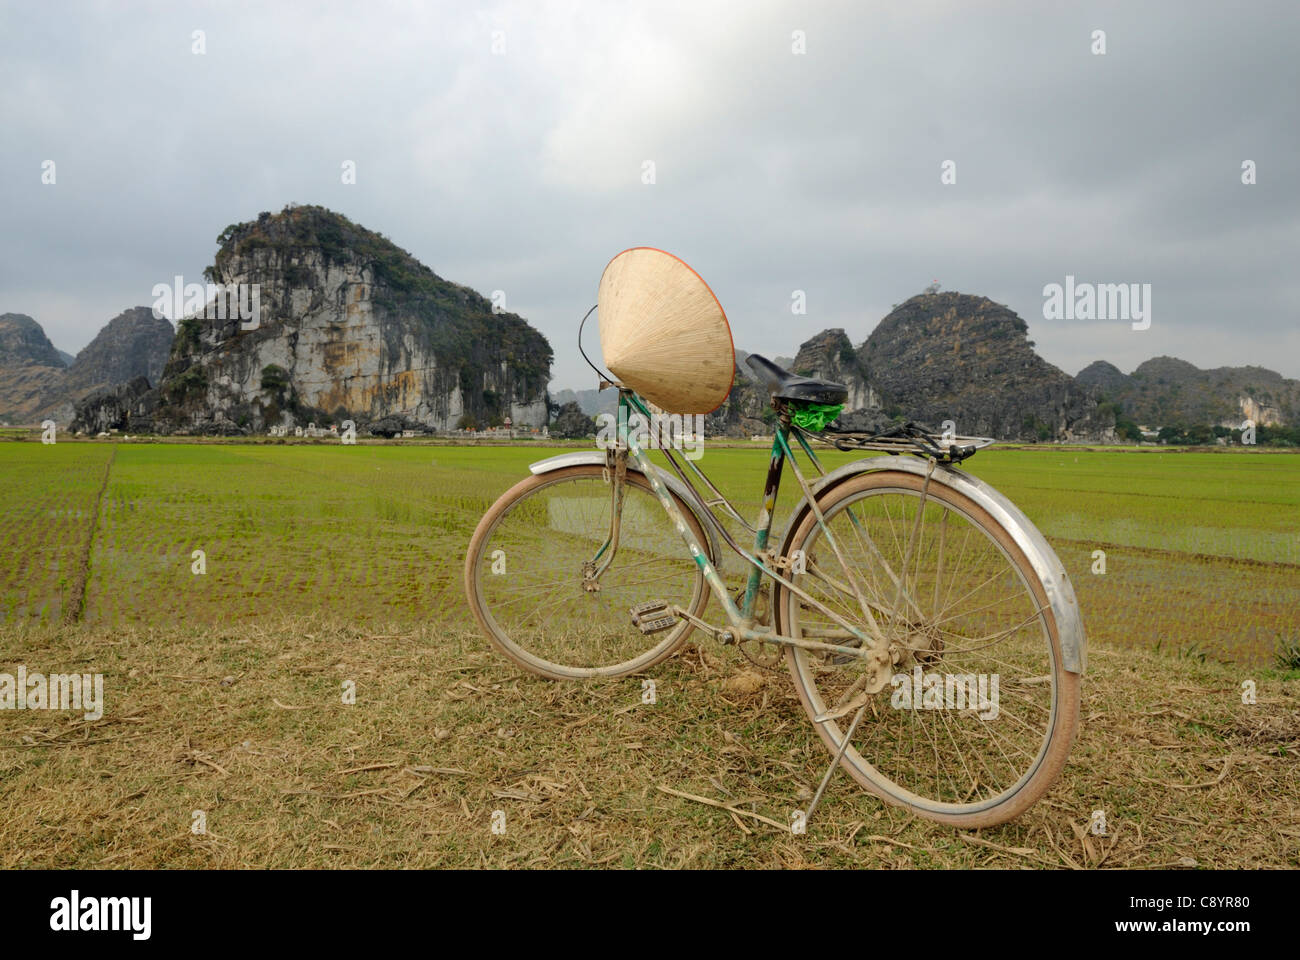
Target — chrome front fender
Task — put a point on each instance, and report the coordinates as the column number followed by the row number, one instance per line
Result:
column 670, row 480
column 1060, row 592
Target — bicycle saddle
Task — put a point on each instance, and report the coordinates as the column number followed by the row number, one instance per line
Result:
column 789, row 386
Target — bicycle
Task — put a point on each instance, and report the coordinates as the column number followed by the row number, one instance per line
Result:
column 882, row 579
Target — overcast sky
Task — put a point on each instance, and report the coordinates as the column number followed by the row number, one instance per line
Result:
column 774, row 171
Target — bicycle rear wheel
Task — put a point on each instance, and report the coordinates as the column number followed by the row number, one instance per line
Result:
column 966, row 619
column 526, row 575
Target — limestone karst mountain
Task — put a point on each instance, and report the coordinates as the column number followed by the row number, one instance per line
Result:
column 953, row 356
column 1166, row 391
column 937, row 357
column 830, row 356
column 348, row 326
column 30, row 368
column 133, row 344
column 36, row 384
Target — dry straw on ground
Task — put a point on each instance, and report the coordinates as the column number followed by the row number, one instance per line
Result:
column 248, row 725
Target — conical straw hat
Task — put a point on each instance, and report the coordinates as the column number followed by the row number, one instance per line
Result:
column 663, row 332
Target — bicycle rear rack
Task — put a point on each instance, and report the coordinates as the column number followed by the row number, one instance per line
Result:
column 907, row 438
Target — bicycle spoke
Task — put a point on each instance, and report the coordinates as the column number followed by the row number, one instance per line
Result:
column 540, row 610
column 956, row 609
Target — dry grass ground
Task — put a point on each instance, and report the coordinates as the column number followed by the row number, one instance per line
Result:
column 249, row 726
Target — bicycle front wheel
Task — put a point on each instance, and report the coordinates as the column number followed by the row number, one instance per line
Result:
column 528, row 575
column 977, row 715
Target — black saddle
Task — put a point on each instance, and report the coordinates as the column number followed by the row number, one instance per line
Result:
column 785, row 385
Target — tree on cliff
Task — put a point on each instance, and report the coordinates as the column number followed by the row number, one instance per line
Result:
column 571, row 423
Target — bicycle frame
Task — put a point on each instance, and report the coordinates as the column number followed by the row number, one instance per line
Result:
column 741, row 617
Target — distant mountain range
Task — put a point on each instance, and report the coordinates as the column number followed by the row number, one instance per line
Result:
column 355, row 327
column 953, row 356
column 1165, row 390
column 38, row 382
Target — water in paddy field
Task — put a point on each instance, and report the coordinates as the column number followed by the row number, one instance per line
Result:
column 1200, row 553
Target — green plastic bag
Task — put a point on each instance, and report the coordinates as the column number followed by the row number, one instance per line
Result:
column 814, row 417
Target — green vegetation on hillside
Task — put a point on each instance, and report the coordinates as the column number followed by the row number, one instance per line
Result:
column 465, row 332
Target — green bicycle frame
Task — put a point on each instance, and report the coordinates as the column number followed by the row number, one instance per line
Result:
column 741, row 617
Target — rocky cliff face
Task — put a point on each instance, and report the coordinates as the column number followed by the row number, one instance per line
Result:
column 30, row 369
column 133, row 344
column 951, row 356
column 830, row 356
column 35, row 383
column 741, row 414
column 348, row 326
column 1165, row 391
column 112, row 408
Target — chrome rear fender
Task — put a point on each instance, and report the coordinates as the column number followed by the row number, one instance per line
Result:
column 1043, row 559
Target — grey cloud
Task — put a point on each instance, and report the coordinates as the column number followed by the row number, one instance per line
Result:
column 775, row 172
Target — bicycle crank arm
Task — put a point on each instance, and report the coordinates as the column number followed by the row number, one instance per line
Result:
column 726, row 635
column 868, row 654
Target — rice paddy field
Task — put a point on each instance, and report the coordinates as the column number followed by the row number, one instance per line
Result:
column 1201, row 550
column 224, row 588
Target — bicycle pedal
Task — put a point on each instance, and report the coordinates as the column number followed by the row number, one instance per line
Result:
column 652, row 616
column 655, row 626
column 648, row 606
